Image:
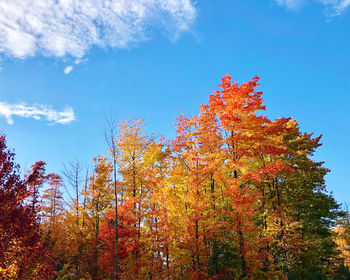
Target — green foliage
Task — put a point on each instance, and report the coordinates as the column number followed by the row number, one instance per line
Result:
column 224, row 260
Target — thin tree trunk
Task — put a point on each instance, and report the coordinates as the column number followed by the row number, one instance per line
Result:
column 110, row 133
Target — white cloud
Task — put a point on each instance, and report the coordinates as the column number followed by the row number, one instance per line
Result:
column 68, row 69
column 36, row 112
column 332, row 7
column 71, row 27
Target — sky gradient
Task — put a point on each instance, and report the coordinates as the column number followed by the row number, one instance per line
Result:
column 64, row 68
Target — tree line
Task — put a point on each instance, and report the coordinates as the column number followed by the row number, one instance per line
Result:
column 234, row 195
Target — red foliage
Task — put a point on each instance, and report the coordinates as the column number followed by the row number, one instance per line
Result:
column 126, row 236
column 21, row 249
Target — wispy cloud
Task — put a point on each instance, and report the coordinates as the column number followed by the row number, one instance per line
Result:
column 36, row 112
column 337, row 7
column 71, row 27
column 332, row 7
column 68, row 69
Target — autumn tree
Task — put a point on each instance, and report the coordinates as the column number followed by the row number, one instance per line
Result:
column 299, row 212
column 98, row 199
column 137, row 153
column 23, row 255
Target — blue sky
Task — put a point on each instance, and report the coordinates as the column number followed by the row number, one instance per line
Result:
column 65, row 66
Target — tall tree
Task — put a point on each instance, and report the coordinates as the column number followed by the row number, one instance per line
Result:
column 98, row 199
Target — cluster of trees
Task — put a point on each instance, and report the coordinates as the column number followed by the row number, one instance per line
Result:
column 234, row 195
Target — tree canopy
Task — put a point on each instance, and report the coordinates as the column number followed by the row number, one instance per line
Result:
column 234, row 195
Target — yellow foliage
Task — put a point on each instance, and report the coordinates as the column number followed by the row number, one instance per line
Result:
column 343, row 246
